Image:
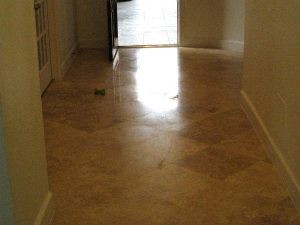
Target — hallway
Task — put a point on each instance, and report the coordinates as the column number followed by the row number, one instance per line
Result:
column 168, row 144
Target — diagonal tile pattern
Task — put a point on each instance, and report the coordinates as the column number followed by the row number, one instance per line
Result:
column 168, row 144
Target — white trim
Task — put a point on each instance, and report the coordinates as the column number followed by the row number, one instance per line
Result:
column 178, row 24
column 229, row 45
column 46, row 212
column 273, row 150
column 237, row 46
column 195, row 42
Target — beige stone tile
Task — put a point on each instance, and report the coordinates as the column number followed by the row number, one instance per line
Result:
column 247, row 144
column 168, row 148
column 217, row 162
column 165, row 121
column 126, row 133
column 119, row 160
column 255, row 194
column 174, row 183
column 217, row 127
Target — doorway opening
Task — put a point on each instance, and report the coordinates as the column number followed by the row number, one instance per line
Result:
column 148, row 23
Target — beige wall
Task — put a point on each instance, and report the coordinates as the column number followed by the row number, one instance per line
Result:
column 62, row 15
column 212, row 23
column 22, row 115
column 6, row 211
column 203, row 23
column 233, row 26
column 271, row 80
column 92, row 23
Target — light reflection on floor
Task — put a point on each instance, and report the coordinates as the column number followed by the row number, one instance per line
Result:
column 157, row 82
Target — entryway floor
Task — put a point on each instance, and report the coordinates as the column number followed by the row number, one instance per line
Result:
column 144, row 22
column 167, row 144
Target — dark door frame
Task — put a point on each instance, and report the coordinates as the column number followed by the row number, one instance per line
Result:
column 112, row 15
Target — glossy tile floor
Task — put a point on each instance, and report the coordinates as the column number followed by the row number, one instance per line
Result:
column 147, row 22
column 168, row 144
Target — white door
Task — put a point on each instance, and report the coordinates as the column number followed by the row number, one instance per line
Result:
column 41, row 17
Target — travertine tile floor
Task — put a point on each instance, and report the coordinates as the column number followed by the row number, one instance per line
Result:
column 168, row 144
column 147, row 22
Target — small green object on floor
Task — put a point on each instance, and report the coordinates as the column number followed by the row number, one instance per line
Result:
column 101, row 92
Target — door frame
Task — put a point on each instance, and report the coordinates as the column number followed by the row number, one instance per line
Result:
column 56, row 72
column 112, row 23
column 178, row 23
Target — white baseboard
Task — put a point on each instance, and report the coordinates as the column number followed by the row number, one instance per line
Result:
column 273, row 151
column 93, row 44
column 46, row 212
column 67, row 62
column 199, row 43
column 236, row 46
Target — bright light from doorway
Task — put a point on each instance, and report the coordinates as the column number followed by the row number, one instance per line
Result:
column 157, row 79
column 147, row 22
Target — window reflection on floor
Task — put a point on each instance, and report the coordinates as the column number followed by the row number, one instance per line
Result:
column 147, row 22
